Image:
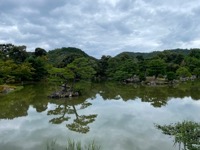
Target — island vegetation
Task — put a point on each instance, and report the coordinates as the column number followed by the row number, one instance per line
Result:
column 70, row 65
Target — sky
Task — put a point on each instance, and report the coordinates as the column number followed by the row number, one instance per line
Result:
column 101, row 27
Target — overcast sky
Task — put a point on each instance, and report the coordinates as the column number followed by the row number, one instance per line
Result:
column 101, row 27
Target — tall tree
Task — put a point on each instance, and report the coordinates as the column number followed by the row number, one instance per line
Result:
column 103, row 66
column 80, row 68
column 18, row 54
column 156, row 67
column 40, row 52
column 39, row 65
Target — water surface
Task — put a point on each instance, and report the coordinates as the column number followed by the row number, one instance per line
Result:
column 116, row 116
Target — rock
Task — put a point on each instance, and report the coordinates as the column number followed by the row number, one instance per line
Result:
column 62, row 94
column 6, row 89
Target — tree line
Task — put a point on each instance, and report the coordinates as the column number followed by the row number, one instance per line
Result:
column 72, row 64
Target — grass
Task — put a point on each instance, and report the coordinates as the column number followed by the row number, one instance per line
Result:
column 73, row 145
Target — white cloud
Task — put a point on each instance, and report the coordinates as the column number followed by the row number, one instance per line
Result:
column 103, row 26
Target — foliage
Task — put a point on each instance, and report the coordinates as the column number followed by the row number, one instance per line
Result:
column 73, row 64
column 40, row 52
column 18, row 54
column 18, row 65
column 195, row 52
column 11, row 52
column 196, row 71
column 150, row 55
column 183, row 72
column 121, row 68
column 62, row 56
column 156, row 67
column 192, row 63
column 186, row 132
column 102, row 66
column 12, row 72
column 39, row 66
column 81, row 68
column 171, row 76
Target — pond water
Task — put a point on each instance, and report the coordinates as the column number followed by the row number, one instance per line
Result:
column 118, row 117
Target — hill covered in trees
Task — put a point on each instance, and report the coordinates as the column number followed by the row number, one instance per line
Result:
column 70, row 63
column 62, row 56
column 154, row 53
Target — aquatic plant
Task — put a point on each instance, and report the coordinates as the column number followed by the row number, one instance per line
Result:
column 73, row 145
column 186, row 133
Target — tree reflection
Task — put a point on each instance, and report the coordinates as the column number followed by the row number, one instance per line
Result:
column 60, row 110
column 13, row 109
column 186, row 134
column 68, row 112
column 80, row 123
column 157, row 96
column 17, row 104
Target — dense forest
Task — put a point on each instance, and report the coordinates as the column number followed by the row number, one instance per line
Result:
column 72, row 64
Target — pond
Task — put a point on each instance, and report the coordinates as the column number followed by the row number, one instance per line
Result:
column 118, row 117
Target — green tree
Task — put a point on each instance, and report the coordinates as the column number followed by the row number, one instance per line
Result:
column 68, row 59
column 172, row 67
column 122, row 67
column 103, row 66
column 12, row 72
column 39, row 66
column 195, row 53
column 40, row 52
column 79, row 69
column 126, row 69
column 18, row 54
column 197, row 72
column 171, row 76
column 156, row 67
column 142, row 66
column 192, row 63
column 186, row 132
column 183, row 72
column 6, row 70
column 24, row 72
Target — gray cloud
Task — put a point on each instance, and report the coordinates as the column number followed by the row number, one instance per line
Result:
column 101, row 27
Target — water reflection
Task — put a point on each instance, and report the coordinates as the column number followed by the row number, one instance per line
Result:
column 16, row 104
column 158, row 96
column 67, row 109
column 186, row 134
column 126, row 114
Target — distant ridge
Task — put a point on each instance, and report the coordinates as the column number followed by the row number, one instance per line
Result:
column 147, row 55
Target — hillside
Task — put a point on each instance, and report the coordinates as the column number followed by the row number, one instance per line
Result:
column 62, row 56
column 154, row 53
